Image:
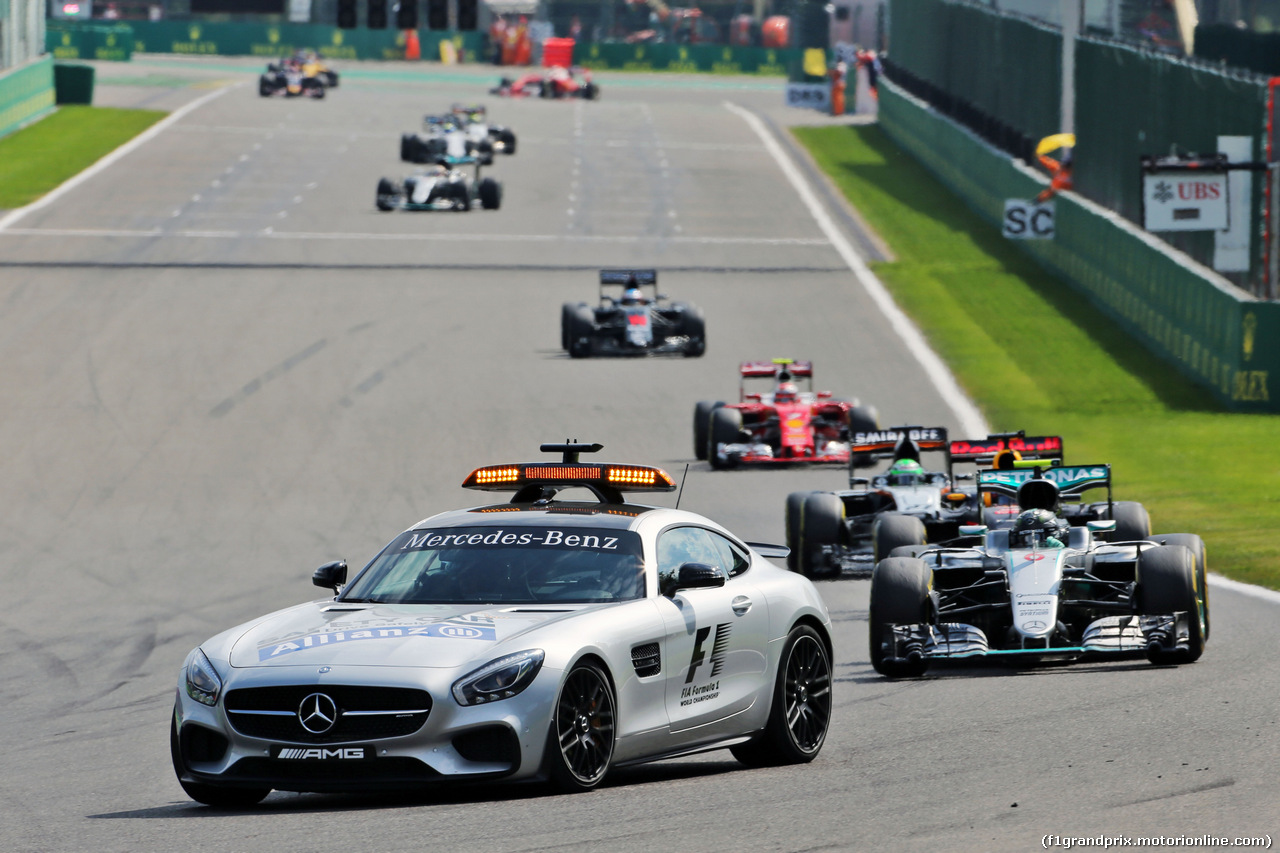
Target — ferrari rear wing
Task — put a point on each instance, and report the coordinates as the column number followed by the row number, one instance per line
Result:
column 782, row 368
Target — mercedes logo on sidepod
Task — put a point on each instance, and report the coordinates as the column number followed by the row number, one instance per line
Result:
column 317, row 713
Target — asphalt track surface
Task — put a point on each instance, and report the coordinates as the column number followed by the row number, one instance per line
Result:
column 222, row 367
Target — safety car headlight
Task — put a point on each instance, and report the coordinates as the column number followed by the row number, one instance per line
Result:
column 203, row 683
column 499, row 679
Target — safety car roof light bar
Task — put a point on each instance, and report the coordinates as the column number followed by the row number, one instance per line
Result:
column 540, row 481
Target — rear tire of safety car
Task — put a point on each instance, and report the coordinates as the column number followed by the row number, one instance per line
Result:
column 793, row 519
column 821, row 520
column 863, row 419
column 726, row 428
column 580, row 743
column 1132, row 521
column 899, row 592
column 1195, row 545
column 694, row 327
column 702, row 426
column 893, row 531
column 211, row 795
column 387, row 192
column 490, row 192
column 801, row 709
column 581, row 331
column 1167, row 584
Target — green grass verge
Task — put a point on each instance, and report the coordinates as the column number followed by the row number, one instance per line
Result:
column 1035, row 355
column 38, row 158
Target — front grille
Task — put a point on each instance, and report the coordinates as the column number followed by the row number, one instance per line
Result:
column 388, row 712
column 646, row 659
column 330, row 775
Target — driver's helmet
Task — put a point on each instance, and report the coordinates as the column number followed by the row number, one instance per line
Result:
column 633, row 296
column 786, row 393
column 1038, row 528
column 905, row 472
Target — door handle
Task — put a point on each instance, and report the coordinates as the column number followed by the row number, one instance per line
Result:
column 741, row 604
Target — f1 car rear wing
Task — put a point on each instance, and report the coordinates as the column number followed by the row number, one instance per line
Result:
column 624, row 279
column 904, row 442
column 1041, row 488
column 469, row 110
column 1003, row 450
column 539, row 481
column 782, row 368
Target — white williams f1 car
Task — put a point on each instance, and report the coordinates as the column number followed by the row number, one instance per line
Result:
column 537, row 638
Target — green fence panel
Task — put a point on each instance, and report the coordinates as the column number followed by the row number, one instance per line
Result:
column 1215, row 334
column 76, row 40
column 691, row 58
column 1258, row 52
column 26, row 93
column 1150, row 104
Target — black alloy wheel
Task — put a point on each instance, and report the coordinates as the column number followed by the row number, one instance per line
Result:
column 583, row 729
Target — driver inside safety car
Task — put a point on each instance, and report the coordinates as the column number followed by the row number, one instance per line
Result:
column 1038, row 528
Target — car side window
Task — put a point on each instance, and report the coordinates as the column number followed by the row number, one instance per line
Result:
column 681, row 545
column 733, row 561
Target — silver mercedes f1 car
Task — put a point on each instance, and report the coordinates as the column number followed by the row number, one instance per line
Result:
column 1041, row 589
column 541, row 638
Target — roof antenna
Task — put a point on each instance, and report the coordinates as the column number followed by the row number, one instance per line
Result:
column 682, row 479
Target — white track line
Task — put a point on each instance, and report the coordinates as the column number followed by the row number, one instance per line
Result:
column 1259, row 592
column 967, row 415
column 129, row 147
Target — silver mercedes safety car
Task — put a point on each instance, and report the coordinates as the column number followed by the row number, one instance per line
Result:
column 541, row 638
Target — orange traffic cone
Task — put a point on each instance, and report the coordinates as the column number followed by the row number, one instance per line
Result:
column 412, row 49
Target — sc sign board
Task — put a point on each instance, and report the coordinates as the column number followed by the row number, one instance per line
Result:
column 812, row 95
column 1026, row 220
column 1185, row 201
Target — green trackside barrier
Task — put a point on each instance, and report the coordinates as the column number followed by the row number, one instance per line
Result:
column 76, row 40
column 26, row 93
column 73, row 84
column 1217, row 336
column 688, row 58
column 1258, row 52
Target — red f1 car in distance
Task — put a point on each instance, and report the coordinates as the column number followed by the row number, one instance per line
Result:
column 554, row 82
column 783, row 425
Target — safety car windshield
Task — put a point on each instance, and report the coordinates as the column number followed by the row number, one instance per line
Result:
column 520, row 565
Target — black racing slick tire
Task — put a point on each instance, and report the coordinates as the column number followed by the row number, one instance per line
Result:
column 1167, row 584
column 899, row 592
column 330, row 78
column 407, row 144
column 387, row 192
column 508, row 140
column 582, row 331
column 590, row 91
column 694, row 327
column 726, row 428
column 264, row 87
column 490, row 192
column 801, row 709
column 893, row 531
column 1195, row 545
column 582, row 737
column 863, row 419
column 1132, row 521
column 568, row 313
column 821, row 521
column 792, row 520
column 217, row 796
column 702, row 426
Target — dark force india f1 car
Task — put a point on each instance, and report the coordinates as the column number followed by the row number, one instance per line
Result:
column 439, row 188
column 1040, row 590
column 784, row 425
column 831, row 532
column 632, row 318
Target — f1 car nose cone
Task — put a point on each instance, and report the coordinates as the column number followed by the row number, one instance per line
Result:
column 317, row 713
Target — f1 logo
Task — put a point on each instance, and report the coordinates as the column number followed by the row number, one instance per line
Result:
column 698, row 654
column 718, row 649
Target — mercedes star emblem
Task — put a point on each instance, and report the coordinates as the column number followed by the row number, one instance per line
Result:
column 317, row 713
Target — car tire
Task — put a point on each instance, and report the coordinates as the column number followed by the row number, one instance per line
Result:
column 331, row 79
column 694, row 327
column 490, row 192
column 892, row 531
column 508, row 140
column 1195, row 545
column 216, row 796
column 702, row 426
column 1166, row 584
column 461, row 196
column 264, row 87
column 1132, row 521
column 582, row 737
column 821, row 523
column 583, row 330
column 407, row 146
column 800, row 712
column 899, row 592
column 590, row 91
column 792, row 520
column 386, row 194
column 863, row 419
column 726, row 428
column 568, row 315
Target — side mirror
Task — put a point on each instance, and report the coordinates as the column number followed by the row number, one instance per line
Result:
column 1101, row 526
column 331, row 575
column 697, row 576
column 973, row 529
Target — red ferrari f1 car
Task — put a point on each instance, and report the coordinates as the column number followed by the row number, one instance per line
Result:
column 555, row 82
column 784, row 425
